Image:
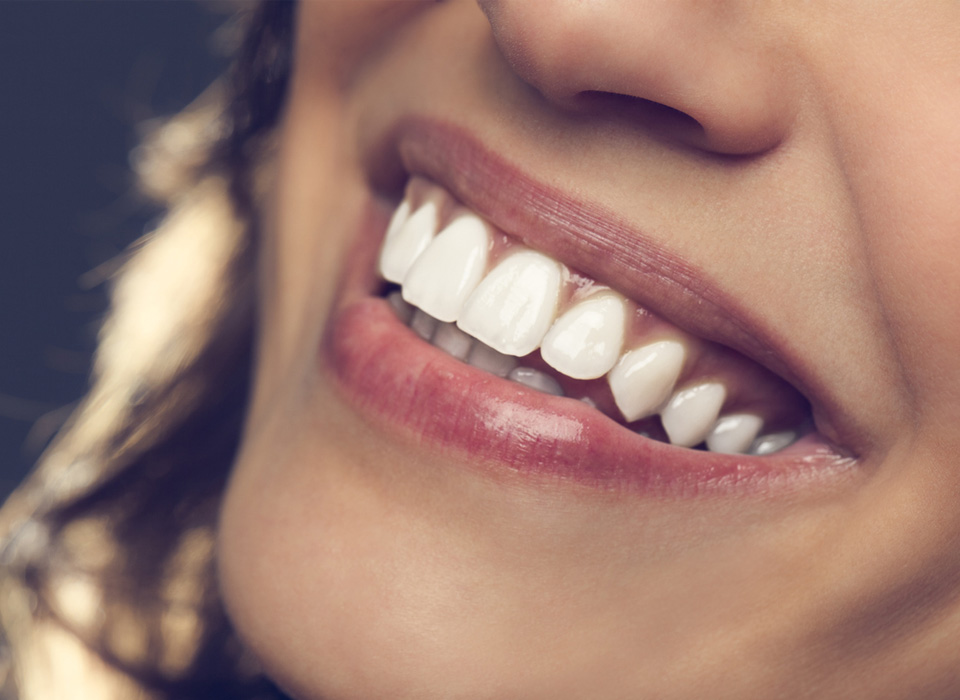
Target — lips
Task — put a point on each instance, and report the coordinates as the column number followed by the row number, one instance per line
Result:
column 479, row 294
column 599, row 381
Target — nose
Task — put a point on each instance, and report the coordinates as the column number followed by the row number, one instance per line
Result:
column 710, row 73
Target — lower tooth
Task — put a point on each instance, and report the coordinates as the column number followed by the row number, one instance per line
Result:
column 489, row 360
column 535, row 379
column 401, row 308
column 683, row 419
column 423, row 324
column 768, row 444
column 452, row 340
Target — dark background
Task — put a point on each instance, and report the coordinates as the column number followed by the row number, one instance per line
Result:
column 76, row 77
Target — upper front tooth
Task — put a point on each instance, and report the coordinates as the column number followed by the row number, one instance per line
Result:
column 585, row 342
column 692, row 412
column 514, row 305
column 643, row 379
column 450, row 268
column 405, row 241
column 734, row 434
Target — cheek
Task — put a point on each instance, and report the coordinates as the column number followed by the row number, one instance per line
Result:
column 334, row 38
column 912, row 242
column 319, row 206
column 900, row 147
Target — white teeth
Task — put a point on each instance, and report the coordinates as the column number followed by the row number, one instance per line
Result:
column 452, row 340
column 585, row 342
column 409, row 238
column 489, row 360
column 423, row 324
column 644, row 378
column 514, row 305
column 450, row 268
column 535, row 379
column 402, row 309
column 767, row 444
column 692, row 412
column 735, row 433
column 489, row 319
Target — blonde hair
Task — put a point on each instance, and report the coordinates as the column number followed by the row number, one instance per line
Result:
column 107, row 587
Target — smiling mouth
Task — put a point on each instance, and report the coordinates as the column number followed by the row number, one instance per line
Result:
column 487, row 300
column 481, row 337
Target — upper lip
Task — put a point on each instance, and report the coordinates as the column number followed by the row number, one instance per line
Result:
column 599, row 243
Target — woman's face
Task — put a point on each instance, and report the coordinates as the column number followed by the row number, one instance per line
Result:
column 772, row 193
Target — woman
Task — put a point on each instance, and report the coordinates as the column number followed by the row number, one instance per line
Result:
column 673, row 415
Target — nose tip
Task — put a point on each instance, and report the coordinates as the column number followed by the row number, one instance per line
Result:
column 702, row 73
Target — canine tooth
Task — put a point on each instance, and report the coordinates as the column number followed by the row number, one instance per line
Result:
column 402, row 309
column 692, row 412
column 402, row 248
column 423, row 324
column 585, row 342
column 450, row 268
column 489, row 360
column 734, row 434
column 452, row 340
column 513, row 306
column 535, row 379
column 644, row 378
column 774, row 442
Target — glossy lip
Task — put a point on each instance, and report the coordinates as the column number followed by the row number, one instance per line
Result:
column 405, row 386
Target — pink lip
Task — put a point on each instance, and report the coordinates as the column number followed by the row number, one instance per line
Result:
column 408, row 388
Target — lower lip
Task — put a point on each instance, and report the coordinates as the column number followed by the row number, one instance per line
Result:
column 407, row 388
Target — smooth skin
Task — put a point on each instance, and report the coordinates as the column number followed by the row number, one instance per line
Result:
column 805, row 156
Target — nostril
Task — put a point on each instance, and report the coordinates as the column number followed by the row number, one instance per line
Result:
column 663, row 121
column 672, row 125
